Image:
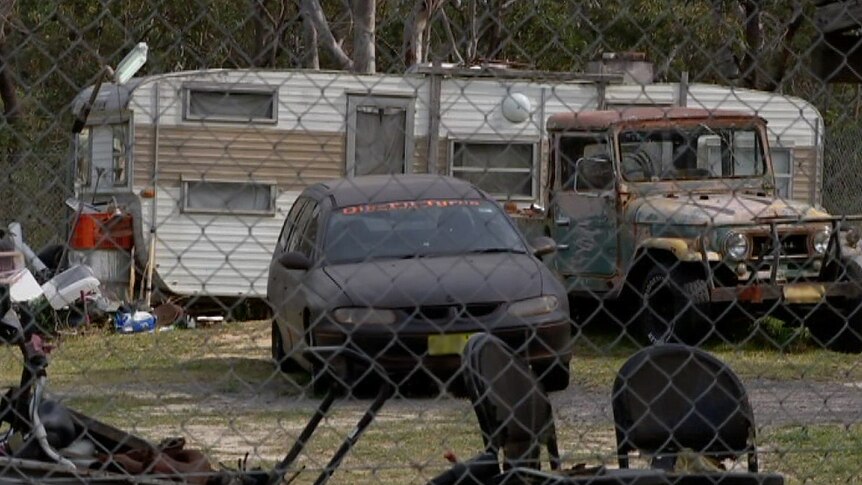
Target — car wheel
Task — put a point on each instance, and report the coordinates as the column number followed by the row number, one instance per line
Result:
column 279, row 356
column 554, row 376
column 672, row 304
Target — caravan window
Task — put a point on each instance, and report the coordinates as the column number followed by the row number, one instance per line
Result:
column 103, row 156
column 221, row 197
column 235, row 104
column 505, row 169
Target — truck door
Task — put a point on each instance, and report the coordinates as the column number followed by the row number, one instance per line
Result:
column 583, row 210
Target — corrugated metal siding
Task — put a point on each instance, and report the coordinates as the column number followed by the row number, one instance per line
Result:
column 636, row 94
column 790, row 119
column 293, row 160
column 220, row 255
column 308, row 100
column 472, row 107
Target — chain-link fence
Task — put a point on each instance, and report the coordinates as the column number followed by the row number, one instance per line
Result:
column 382, row 241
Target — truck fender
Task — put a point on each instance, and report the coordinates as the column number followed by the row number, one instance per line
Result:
column 680, row 248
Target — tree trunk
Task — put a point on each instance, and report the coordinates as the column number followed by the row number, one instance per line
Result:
column 8, row 94
column 324, row 33
column 310, row 56
column 753, row 32
column 363, row 35
column 414, row 31
column 11, row 108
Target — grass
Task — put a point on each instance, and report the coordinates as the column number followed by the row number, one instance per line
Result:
column 216, row 387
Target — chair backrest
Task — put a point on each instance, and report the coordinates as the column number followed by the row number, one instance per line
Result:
column 513, row 410
column 670, row 398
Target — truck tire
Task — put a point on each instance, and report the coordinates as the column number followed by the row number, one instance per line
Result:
column 838, row 325
column 673, row 301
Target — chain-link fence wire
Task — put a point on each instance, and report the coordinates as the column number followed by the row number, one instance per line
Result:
column 643, row 173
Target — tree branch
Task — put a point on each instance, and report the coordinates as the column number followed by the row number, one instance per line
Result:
column 312, row 9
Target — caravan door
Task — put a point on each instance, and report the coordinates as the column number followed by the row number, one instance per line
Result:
column 379, row 134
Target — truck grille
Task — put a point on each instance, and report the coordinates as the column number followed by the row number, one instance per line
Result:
column 791, row 245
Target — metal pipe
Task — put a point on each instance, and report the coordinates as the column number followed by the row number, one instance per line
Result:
column 278, row 473
column 20, row 245
column 151, row 253
column 386, row 391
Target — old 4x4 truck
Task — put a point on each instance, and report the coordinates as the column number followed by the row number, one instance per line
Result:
column 672, row 215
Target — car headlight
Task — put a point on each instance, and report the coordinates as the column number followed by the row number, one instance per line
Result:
column 735, row 245
column 820, row 241
column 534, row 306
column 361, row 316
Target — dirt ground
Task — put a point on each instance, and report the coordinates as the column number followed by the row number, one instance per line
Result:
column 776, row 403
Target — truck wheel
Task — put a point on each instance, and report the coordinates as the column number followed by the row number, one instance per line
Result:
column 672, row 301
column 554, row 376
column 837, row 327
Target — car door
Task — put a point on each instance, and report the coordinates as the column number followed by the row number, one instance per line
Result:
column 302, row 240
column 279, row 283
column 583, row 210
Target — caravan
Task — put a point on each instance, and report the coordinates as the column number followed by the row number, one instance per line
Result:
column 202, row 166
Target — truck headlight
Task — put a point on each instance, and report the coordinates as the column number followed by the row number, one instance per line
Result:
column 534, row 306
column 361, row 316
column 735, row 246
column 820, row 241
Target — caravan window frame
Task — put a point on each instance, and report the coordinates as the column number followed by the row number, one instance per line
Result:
column 189, row 88
column 107, row 186
column 533, row 171
column 379, row 100
column 789, row 176
column 185, row 208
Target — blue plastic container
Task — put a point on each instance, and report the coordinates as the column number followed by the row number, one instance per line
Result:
column 137, row 322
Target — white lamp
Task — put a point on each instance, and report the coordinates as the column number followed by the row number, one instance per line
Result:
column 131, row 64
column 516, row 107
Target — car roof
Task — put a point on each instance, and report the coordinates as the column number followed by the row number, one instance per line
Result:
column 603, row 119
column 373, row 189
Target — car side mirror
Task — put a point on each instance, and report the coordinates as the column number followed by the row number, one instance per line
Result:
column 543, row 245
column 295, row 260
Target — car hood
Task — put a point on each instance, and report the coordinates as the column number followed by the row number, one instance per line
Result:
column 439, row 280
column 715, row 209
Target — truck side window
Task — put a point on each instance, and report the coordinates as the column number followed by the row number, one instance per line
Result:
column 594, row 174
column 574, row 148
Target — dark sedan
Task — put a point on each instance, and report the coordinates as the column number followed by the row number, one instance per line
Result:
column 404, row 269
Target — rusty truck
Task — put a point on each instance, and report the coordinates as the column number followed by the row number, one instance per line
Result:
column 671, row 214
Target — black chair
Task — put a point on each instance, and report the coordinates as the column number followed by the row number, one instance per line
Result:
column 512, row 408
column 672, row 398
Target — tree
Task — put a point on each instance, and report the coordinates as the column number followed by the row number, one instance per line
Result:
column 8, row 94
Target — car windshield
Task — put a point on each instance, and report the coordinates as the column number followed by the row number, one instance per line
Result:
column 398, row 230
column 686, row 153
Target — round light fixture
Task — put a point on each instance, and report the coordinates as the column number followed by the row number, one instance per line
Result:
column 516, row 107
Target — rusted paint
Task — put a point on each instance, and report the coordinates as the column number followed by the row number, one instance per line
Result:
column 604, row 119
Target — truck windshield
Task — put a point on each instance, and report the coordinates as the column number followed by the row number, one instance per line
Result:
column 420, row 228
column 688, row 153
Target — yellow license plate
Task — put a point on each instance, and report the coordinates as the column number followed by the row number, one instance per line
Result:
column 448, row 344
